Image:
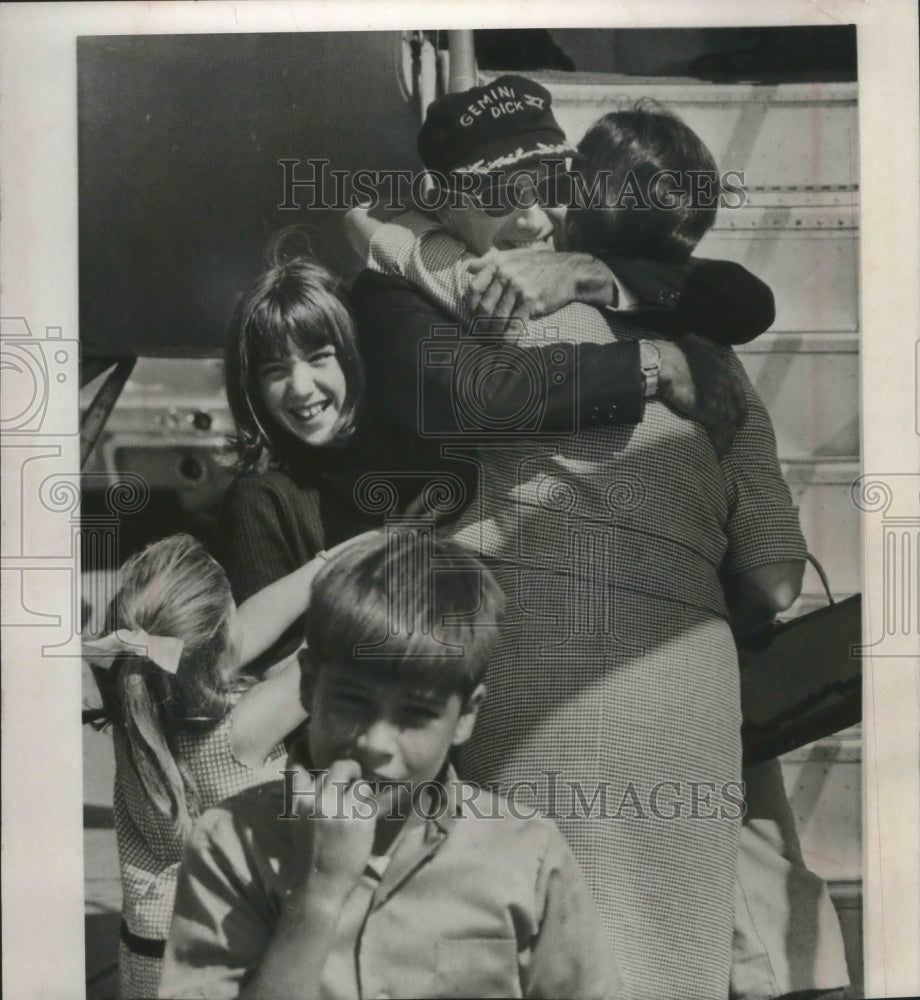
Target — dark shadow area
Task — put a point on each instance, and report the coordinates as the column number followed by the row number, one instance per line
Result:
column 164, row 514
column 725, row 55
column 98, row 817
column 101, row 931
column 179, row 138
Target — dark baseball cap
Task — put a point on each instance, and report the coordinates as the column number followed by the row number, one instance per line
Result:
column 500, row 125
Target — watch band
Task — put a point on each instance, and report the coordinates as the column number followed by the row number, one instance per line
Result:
column 650, row 363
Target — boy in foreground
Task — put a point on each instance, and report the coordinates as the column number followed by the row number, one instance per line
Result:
column 387, row 876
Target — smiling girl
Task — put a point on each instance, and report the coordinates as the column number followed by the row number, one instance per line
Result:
column 294, row 383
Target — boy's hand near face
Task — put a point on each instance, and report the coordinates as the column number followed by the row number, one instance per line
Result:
column 332, row 840
column 342, row 825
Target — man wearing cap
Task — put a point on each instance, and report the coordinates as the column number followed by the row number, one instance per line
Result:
column 472, row 143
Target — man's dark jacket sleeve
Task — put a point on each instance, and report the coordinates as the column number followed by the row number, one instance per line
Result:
column 717, row 299
column 584, row 385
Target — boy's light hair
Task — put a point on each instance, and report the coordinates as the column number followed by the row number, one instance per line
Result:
column 415, row 607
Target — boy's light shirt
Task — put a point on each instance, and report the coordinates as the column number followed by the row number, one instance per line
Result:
column 340, row 965
column 478, row 904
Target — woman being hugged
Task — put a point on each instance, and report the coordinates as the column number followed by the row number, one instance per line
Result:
column 294, row 383
column 188, row 732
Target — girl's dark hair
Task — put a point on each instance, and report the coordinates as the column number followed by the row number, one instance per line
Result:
column 645, row 157
column 295, row 300
column 171, row 588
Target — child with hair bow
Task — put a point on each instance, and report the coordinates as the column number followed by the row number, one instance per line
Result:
column 189, row 731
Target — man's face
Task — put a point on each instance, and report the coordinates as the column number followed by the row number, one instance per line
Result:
column 512, row 213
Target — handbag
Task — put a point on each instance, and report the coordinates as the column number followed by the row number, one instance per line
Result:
column 801, row 680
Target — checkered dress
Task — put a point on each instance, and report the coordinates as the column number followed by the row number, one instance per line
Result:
column 613, row 693
column 149, row 850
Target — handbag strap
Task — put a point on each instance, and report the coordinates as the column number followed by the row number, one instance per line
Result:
column 820, row 571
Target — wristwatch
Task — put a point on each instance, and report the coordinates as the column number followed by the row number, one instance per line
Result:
column 650, row 363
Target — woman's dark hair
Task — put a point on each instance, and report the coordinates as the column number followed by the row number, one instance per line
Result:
column 656, row 186
column 294, row 301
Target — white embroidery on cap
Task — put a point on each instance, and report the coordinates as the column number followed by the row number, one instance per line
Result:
column 485, row 166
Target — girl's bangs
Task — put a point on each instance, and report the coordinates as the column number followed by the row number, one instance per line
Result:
column 272, row 333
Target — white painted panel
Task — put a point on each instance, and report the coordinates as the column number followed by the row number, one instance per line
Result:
column 761, row 130
column 830, row 521
column 824, row 785
column 810, row 385
column 813, row 274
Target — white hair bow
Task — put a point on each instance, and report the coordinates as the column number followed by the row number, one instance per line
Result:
column 163, row 650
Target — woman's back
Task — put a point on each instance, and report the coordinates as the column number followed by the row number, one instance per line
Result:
column 652, row 496
column 613, row 690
